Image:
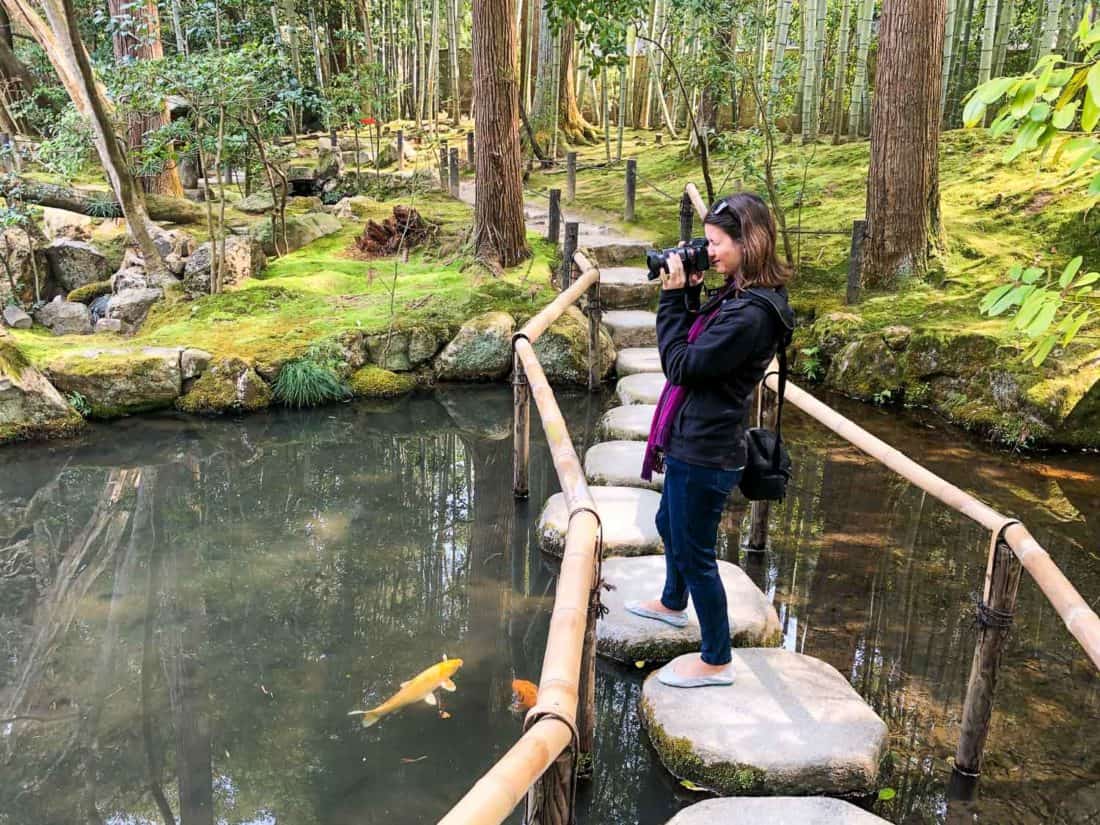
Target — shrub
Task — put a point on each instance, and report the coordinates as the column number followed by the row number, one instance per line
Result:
column 305, row 383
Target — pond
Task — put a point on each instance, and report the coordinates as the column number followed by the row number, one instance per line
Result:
column 189, row 610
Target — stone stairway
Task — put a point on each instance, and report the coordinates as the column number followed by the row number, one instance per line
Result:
column 791, row 727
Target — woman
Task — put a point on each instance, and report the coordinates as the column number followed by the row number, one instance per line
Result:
column 713, row 355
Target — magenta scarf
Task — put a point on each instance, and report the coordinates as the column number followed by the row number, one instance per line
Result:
column 672, row 398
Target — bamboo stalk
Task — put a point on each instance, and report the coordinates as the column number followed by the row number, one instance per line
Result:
column 552, row 311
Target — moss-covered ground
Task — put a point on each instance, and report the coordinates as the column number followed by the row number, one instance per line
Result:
column 327, row 288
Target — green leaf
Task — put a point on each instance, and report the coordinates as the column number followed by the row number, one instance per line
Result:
column 973, row 112
column 1002, row 124
column 1021, row 104
column 1042, row 350
column 1093, row 81
column 1026, row 139
column 1063, row 117
column 1039, row 112
column 1086, row 280
column 993, row 296
column 691, row 786
column 1044, row 319
column 1069, row 272
column 1061, row 77
column 1094, row 187
column 1014, row 271
column 992, row 90
column 1011, row 299
column 1030, row 308
column 1090, row 113
column 1075, row 327
column 886, row 794
column 1044, row 78
column 1086, row 148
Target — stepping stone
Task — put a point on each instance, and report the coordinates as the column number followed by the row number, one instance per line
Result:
column 624, row 287
column 776, row 810
column 619, row 464
column 789, row 724
column 627, row 515
column 624, row 637
column 631, row 327
column 637, row 359
column 640, row 388
column 627, row 423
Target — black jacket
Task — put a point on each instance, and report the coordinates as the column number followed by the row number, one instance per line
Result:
column 719, row 369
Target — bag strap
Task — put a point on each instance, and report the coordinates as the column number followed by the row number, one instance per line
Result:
column 777, row 452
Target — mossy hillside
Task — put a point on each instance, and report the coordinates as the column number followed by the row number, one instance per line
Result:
column 324, row 290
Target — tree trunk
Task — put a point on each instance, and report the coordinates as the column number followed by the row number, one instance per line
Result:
column 452, row 54
column 1000, row 41
column 160, row 207
column 841, row 73
column 948, row 55
column 499, row 232
column 960, row 72
column 809, row 70
column 433, row 65
column 1048, row 40
column 570, row 120
column 859, row 83
column 177, row 28
column 137, row 37
column 779, row 51
column 989, row 31
column 902, row 186
column 542, row 102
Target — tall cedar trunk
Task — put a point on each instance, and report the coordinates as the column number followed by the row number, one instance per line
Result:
column 902, row 185
column 570, row 120
column 499, row 232
column 137, row 37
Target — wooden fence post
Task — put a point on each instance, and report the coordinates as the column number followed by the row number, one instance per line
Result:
column 553, row 223
column 859, row 232
column 400, row 149
column 995, row 614
column 454, row 171
column 687, row 217
column 586, row 698
column 764, row 401
column 521, row 429
column 631, row 189
column 595, row 368
column 569, row 248
column 470, row 148
column 570, row 176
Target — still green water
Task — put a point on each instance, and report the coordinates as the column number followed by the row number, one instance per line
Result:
column 189, row 609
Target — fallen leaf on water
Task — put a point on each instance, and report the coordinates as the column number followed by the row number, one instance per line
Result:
column 691, row 786
column 408, row 760
column 444, row 715
column 886, row 794
column 639, row 664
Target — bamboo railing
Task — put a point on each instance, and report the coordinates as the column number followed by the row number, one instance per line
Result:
column 542, row 765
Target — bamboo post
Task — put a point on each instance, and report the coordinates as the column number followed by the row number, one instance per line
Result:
column 470, row 148
column 400, row 149
column 696, row 199
column 595, row 371
column 521, row 430
column 859, row 232
column 454, row 171
column 586, row 712
column 553, row 223
column 687, row 217
column 995, row 614
column 757, row 541
column 569, row 248
column 631, row 189
column 570, row 176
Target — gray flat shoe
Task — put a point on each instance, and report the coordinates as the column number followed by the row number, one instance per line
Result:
column 674, row 619
column 668, row 676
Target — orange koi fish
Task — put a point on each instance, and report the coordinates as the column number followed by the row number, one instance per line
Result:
column 524, row 694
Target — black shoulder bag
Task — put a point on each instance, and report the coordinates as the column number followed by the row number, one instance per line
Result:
column 767, row 465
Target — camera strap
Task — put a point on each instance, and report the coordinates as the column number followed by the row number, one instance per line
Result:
column 770, row 298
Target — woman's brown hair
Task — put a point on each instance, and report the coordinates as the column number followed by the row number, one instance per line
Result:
column 746, row 218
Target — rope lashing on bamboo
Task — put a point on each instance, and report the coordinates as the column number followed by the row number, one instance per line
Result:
column 599, row 584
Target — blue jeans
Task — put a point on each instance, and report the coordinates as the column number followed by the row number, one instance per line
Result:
column 691, row 508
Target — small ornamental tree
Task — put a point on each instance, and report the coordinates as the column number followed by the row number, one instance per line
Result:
column 1038, row 106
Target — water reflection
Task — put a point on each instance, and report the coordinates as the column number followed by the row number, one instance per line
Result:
column 188, row 610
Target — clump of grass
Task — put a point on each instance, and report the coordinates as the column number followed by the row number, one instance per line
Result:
column 305, row 383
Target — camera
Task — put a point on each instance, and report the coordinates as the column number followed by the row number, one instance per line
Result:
column 693, row 253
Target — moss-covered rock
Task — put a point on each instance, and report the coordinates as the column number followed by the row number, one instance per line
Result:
column 376, row 382
column 481, row 351
column 403, row 349
column 89, row 292
column 256, row 203
column 119, row 381
column 30, row 407
column 563, row 350
column 228, row 385
column 300, row 230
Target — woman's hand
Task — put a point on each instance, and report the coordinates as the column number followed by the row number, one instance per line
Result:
column 673, row 277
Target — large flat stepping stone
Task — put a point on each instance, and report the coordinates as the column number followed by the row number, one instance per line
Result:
column 627, row 514
column 624, row 637
column 789, row 724
column 631, row 360
column 619, row 464
column 775, row 810
column 627, row 423
column 631, row 327
column 625, row 287
column 640, row 388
